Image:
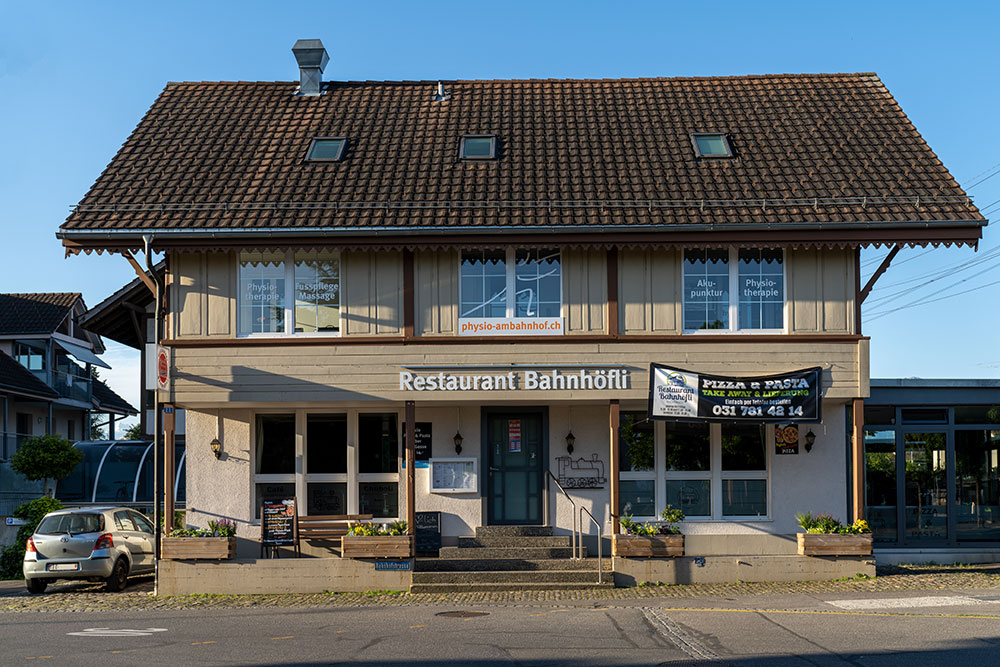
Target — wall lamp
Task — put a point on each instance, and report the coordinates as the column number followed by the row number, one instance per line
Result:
column 570, row 441
column 458, row 442
column 216, row 447
column 810, row 440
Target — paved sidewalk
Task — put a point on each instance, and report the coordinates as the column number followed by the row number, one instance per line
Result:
column 85, row 597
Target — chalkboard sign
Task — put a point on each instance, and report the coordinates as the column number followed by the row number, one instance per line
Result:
column 428, row 531
column 277, row 522
column 422, row 441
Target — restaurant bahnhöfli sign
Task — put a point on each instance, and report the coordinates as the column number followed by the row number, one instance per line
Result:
column 677, row 394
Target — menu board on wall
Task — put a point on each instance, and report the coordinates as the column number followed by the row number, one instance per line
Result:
column 676, row 394
column 277, row 522
column 454, row 475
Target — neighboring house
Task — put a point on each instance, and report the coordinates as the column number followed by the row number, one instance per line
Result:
column 494, row 265
column 46, row 385
column 126, row 317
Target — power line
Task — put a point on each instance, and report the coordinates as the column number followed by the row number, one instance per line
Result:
column 983, row 172
column 923, row 303
column 954, row 268
column 926, row 299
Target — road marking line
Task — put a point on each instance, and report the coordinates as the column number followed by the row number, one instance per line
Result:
column 418, row 626
column 202, row 643
column 287, row 637
column 559, row 611
column 830, row 613
column 340, row 631
column 538, row 614
column 118, row 651
column 898, row 603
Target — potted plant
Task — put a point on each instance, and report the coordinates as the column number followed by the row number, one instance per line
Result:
column 825, row 535
column 369, row 540
column 217, row 542
column 649, row 540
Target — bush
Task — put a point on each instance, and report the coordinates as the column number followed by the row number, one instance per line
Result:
column 33, row 512
column 46, row 457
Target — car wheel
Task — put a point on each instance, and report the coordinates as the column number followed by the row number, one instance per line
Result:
column 36, row 586
column 119, row 576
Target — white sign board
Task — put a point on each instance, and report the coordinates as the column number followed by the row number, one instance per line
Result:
column 162, row 368
column 674, row 393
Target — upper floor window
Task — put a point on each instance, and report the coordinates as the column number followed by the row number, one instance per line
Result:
column 730, row 290
column 30, row 354
column 489, row 277
column 289, row 292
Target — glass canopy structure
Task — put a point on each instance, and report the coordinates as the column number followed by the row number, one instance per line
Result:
column 118, row 472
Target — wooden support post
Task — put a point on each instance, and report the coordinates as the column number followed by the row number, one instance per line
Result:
column 169, row 466
column 411, row 472
column 613, row 292
column 409, row 303
column 858, row 458
column 614, row 414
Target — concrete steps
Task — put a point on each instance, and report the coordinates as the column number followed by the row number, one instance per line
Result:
column 508, row 558
column 524, row 586
column 506, row 564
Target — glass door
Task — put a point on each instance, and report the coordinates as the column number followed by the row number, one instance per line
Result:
column 925, row 463
column 977, row 495
column 515, row 451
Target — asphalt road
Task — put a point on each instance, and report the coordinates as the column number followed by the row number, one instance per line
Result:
column 926, row 628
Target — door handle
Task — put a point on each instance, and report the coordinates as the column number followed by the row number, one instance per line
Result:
column 492, row 469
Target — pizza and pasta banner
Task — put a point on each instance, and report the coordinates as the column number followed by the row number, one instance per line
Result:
column 677, row 394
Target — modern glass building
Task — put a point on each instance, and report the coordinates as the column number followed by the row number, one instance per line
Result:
column 932, row 479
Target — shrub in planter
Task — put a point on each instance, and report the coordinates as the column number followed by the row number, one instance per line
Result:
column 650, row 540
column 825, row 535
column 369, row 540
column 218, row 541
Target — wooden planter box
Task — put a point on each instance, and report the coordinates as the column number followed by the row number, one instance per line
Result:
column 822, row 544
column 198, row 548
column 377, row 546
column 641, row 546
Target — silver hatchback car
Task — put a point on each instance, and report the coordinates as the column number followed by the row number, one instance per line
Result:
column 95, row 543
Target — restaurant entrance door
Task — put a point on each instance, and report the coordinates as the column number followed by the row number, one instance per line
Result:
column 516, row 448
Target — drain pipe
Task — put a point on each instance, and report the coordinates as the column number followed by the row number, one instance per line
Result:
column 147, row 241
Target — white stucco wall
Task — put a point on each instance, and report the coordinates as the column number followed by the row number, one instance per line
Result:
column 460, row 512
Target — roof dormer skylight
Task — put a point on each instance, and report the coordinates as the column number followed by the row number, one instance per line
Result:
column 711, row 144
column 478, row 147
column 326, row 149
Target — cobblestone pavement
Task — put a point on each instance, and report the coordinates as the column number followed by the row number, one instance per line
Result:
column 85, row 597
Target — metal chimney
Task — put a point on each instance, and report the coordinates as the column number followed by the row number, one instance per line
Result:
column 312, row 58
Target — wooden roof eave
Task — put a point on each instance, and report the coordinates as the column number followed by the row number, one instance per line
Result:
column 835, row 235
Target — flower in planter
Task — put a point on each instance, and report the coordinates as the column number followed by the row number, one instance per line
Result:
column 369, row 529
column 826, row 524
column 671, row 516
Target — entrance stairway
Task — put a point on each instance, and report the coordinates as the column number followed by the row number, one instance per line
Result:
column 507, row 558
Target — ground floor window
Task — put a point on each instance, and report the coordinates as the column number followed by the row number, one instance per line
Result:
column 342, row 462
column 710, row 471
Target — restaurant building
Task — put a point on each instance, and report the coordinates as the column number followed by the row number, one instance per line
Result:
column 481, row 273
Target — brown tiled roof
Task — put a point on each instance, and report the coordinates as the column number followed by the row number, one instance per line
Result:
column 34, row 313
column 831, row 149
column 19, row 380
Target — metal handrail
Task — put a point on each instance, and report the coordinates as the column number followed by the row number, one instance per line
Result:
column 575, row 529
column 600, row 539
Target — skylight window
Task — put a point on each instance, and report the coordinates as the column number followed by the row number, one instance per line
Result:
column 711, row 144
column 326, row 149
column 478, row 147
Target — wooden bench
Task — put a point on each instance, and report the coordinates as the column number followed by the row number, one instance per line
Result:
column 327, row 527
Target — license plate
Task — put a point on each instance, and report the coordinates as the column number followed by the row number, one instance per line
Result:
column 61, row 567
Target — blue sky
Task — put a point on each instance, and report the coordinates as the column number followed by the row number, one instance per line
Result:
column 75, row 78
